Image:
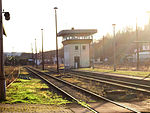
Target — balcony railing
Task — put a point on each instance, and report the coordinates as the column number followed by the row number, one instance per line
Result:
column 76, row 38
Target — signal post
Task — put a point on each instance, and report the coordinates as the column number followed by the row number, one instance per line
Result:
column 2, row 76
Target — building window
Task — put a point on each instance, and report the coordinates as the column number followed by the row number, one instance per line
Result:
column 76, row 47
column 83, row 47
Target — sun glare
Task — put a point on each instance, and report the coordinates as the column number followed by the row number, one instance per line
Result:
column 85, row 14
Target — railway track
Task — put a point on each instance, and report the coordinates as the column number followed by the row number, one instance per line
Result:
column 127, row 83
column 12, row 77
column 48, row 78
column 112, row 76
column 119, row 83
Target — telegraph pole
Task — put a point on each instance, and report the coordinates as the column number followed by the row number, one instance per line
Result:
column 114, row 46
column 42, row 52
column 103, row 49
column 137, row 46
column 55, row 8
column 92, row 52
column 2, row 76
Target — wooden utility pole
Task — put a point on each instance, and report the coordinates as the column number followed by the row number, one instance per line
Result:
column 92, row 53
column 103, row 48
column 114, row 46
column 137, row 46
column 2, row 76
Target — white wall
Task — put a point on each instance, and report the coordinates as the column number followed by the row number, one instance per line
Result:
column 70, row 53
column 85, row 60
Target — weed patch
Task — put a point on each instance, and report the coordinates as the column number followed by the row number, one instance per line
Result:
column 32, row 92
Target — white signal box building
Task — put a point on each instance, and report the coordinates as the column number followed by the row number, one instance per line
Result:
column 76, row 47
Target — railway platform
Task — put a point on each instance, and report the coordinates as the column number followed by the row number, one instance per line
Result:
column 111, row 108
column 72, row 108
column 33, row 108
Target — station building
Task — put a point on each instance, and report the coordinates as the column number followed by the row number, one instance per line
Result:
column 76, row 44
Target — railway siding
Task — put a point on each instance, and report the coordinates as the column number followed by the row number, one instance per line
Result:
column 11, row 75
column 124, row 95
column 126, row 78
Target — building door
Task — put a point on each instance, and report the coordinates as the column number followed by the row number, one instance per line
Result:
column 76, row 61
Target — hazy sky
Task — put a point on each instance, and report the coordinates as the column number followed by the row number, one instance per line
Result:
column 28, row 17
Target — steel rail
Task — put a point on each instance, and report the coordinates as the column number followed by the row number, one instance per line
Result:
column 64, row 92
column 11, row 72
column 14, row 79
column 127, row 85
column 112, row 76
column 93, row 94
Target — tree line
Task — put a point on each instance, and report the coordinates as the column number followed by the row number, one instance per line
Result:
column 125, row 44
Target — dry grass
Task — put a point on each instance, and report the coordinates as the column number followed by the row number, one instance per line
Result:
column 124, row 67
column 11, row 72
column 8, row 69
column 111, row 92
column 133, row 73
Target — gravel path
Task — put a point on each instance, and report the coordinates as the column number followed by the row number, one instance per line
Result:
column 33, row 108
